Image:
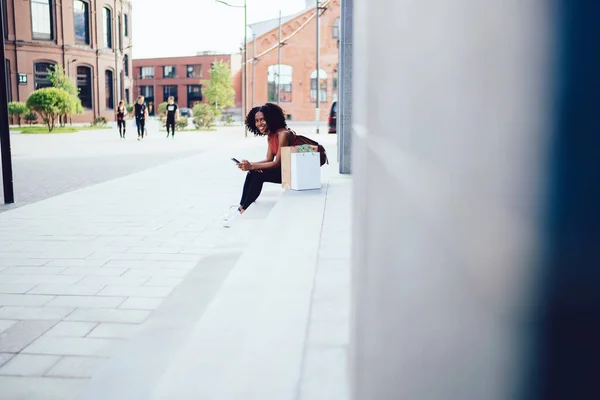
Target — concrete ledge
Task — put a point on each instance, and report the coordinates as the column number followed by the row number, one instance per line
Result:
column 249, row 344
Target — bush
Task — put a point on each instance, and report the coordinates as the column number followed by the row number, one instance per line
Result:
column 100, row 121
column 182, row 123
column 204, row 116
column 31, row 118
column 130, row 108
column 50, row 103
column 17, row 109
column 227, row 119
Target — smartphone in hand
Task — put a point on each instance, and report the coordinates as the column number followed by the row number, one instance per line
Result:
column 235, row 160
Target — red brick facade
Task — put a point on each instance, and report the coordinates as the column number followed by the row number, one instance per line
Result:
column 105, row 71
column 150, row 73
column 300, row 54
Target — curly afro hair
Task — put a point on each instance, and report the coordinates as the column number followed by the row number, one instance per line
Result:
column 274, row 117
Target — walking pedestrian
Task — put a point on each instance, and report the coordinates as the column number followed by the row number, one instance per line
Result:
column 141, row 114
column 121, row 114
column 172, row 115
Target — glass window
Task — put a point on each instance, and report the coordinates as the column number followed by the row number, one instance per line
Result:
column 279, row 82
column 81, row 16
column 323, row 86
column 4, row 19
column 41, row 19
column 194, row 95
column 126, row 65
column 41, row 75
column 84, row 84
column 8, row 82
column 127, row 98
column 169, row 71
column 146, row 72
column 107, row 25
column 194, row 71
column 147, row 91
column 169, row 90
column 120, row 35
column 109, row 91
column 335, row 29
column 126, row 24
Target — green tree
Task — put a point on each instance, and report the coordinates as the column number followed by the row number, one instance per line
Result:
column 61, row 81
column 17, row 109
column 219, row 90
column 50, row 103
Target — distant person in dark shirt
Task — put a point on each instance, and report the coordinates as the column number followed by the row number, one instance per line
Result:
column 172, row 115
column 141, row 114
column 121, row 114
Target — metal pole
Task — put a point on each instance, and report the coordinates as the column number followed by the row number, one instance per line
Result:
column 317, row 111
column 253, row 65
column 7, row 176
column 245, row 94
column 278, row 82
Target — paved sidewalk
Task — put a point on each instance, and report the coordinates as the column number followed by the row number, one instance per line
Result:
column 92, row 280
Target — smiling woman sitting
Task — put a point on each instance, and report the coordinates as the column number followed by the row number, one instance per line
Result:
column 267, row 120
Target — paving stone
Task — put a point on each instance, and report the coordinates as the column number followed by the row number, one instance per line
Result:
column 109, row 315
column 5, row 324
column 76, row 367
column 21, row 334
column 16, row 288
column 76, row 263
column 39, row 279
column 325, row 374
column 114, row 331
column 71, row 329
column 154, row 250
column 114, row 280
column 23, row 262
column 29, row 365
column 86, row 301
column 157, row 272
column 136, row 291
column 173, row 257
column 139, row 303
column 94, row 271
column 6, row 357
column 69, row 346
column 24, row 300
column 34, row 270
column 34, row 313
column 67, row 290
column 35, row 388
column 164, row 282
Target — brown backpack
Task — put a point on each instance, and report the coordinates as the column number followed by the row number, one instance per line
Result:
column 299, row 140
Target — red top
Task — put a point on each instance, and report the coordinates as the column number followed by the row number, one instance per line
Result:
column 273, row 143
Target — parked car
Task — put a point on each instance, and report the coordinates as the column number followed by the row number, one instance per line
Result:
column 333, row 117
column 185, row 112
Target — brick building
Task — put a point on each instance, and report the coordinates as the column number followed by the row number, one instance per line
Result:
column 293, row 79
column 182, row 77
column 91, row 39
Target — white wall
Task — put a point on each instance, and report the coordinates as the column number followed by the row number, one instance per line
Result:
column 449, row 138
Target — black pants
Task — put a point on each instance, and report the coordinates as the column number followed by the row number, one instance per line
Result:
column 141, row 125
column 171, row 124
column 122, row 127
column 254, row 183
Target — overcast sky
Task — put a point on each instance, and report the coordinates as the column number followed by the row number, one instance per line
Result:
column 171, row 28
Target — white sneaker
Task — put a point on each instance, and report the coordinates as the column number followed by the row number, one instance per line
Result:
column 228, row 220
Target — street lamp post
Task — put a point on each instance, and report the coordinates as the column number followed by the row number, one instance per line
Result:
column 7, row 176
column 245, row 62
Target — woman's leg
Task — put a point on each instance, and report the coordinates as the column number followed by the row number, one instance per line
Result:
column 250, row 176
column 272, row 175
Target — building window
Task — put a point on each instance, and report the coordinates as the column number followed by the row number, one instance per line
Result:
column 107, row 24
column 126, row 65
column 194, row 95
column 147, row 91
column 81, row 16
column 84, row 84
column 194, row 71
column 109, row 91
column 41, row 75
column 127, row 99
column 169, row 71
column 335, row 29
column 335, row 78
column 4, row 19
column 146, row 72
column 279, row 82
column 323, row 86
column 126, row 24
column 41, row 19
column 120, row 34
column 168, row 91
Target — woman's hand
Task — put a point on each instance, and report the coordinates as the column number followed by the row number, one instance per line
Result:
column 245, row 165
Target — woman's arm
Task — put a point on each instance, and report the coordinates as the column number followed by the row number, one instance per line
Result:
column 274, row 161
